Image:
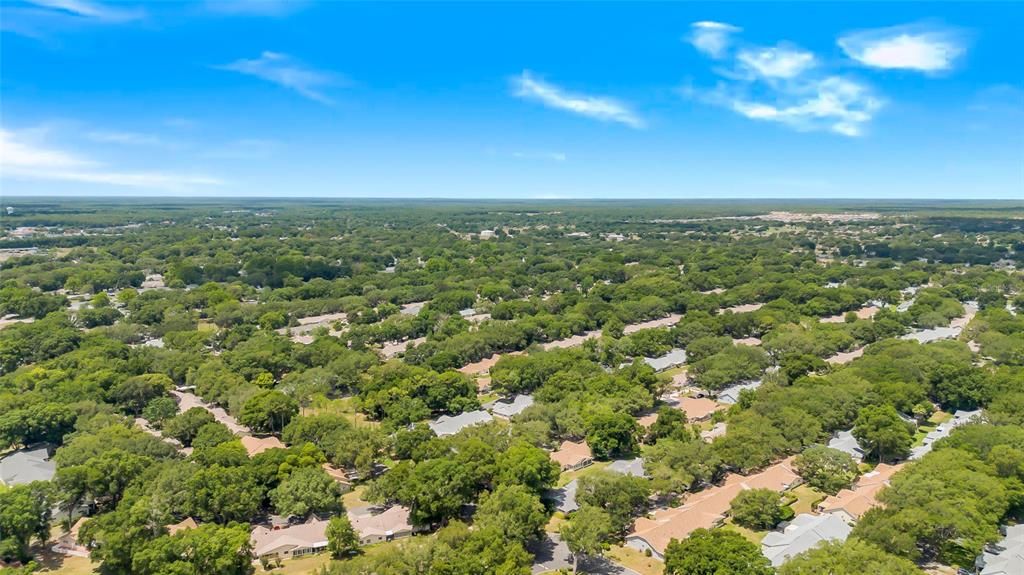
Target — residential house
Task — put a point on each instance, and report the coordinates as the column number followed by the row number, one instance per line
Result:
column 634, row 467
column 450, row 425
column 183, row 525
column 852, row 504
column 961, row 417
column 67, row 544
column 390, row 524
column 27, row 465
column 731, row 394
column 565, row 497
column 1005, row 557
column 289, row 542
column 705, row 509
column 804, row 532
column 571, row 456
column 506, row 408
column 845, row 441
column 673, row 358
column 256, row 445
column 340, row 476
column 698, row 408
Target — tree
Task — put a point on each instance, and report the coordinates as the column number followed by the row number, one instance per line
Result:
column 715, row 552
column 307, row 490
column 212, row 434
column 527, row 465
column 881, row 431
column 826, row 469
column 611, row 434
column 268, row 411
column 586, row 533
column 46, row 422
column 186, row 426
column 759, row 509
column 342, row 539
column 513, row 512
column 671, row 423
column 24, row 515
column 159, row 410
column 135, row 392
column 854, row 557
column 223, row 494
column 621, row 496
column 207, row 549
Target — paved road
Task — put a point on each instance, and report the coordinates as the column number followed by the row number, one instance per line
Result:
column 552, row 554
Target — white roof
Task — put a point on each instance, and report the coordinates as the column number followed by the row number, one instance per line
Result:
column 394, row 520
column 311, row 534
column 1007, row 556
column 634, row 467
column 27, row 465
column 448, row 425
column 674, row 358
column 961, row 417
column 804, row 532
column 508, row 408
column 565, row 498
column 731, row 394
column 845, row 441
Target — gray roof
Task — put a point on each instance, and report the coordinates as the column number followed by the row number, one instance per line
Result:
column 634, row 467
column 804, row 532
column 731, row 394
column 845, row 441
column 507, row 408
column 27, row 465
column 565, row 497
column 1007, row 556
column 446, row 425
column 467, row 312
column 674, row 358
column 961, row 417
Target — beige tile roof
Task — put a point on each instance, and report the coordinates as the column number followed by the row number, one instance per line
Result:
column 698, row 407
column 706, row 508
column 571, row 453
column 186, row 523
column 484, row 365
column 857, row 501
column 256, row 445
column 394, row 520
column 310, row 534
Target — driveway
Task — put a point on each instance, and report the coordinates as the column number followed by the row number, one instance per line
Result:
column 552, row 554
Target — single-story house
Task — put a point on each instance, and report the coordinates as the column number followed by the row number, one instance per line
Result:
column 698, row 408
column 450, row 425
column 731, row 394
column 27, row 465
column 565, row 497
column 67, row 544
column 961, row 417
column 845, row 441
column 506, row 408
column 673, row 358
column 340, row 476
column 293, row 541
column 1005, row 557
column 804, row 532
column 256, row 445
column 571, row 456
column 705, row 509
column 852, row 504
column 390, row 524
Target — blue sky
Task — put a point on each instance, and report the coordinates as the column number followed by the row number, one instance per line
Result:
column 500, row 100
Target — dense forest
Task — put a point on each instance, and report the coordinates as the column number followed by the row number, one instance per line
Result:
column 253, row 367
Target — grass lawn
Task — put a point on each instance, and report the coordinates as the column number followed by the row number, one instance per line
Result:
column 344, row 406
column 635, row 560
column 555, row 523
column 806, row 498
column 354, row 499
column 300, row 566
column 754, row 537
column 57, row 564
column 568, row 476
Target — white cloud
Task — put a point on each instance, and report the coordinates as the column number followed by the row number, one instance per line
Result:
column 553, row 156
column 21, row 158
column 776, row 62
column 92, row 10
column 597, row 107
column 281, row 69
column 126, row 138
column 712, row 38
column 835, row 104
column 912, row 47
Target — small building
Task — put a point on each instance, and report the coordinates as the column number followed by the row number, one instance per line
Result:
column 339, row 476
column 486, row 234
column 674, row 358
column 27, row 465
column 183, row 525
column 731, row 394
column 571, row 456
column 1005, row 557
column 293, row 541
column 845, row 441
column 450, row 425
column 565, row 497
column 67, row 544
column 852, row 504
column 505, row 408
column 698, row 408
column 388, row 525
column 256, row 445
column 804, row 532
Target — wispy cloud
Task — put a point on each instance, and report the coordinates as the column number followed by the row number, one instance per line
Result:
column 776, row 62
column 785, row 84
column 551, row 156
column 92, row 10
column 712, row 38
column 918, row 47
column 283, row 70
column 125, row 138
column 273, row 8
column 22, row 158
column 529, row 87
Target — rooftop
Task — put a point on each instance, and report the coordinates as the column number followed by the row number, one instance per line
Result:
column 674, row 358
column 845, row 441
column 804, row 532
column 571, row 453
column 508, row 408
column 1007, row 556
column 450, row 425
column 313, row 533
column 27, row 465
column 697, row 408
column 857, row 501
column 395, row 519
column 256, row 445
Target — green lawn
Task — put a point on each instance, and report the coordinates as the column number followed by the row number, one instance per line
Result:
column 568, row 476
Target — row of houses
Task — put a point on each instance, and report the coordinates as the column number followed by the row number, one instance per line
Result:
column 503, row 408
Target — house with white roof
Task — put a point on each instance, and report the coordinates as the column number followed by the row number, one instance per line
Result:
column 1005, row 557
column 27, row 465
column 845, row 441
column 673, row 358
column 450, row 425
column 506, row 408
column 804, row 532
column 294, row 541
column 388, row 525
column 634, row 467
column 961, row 417
column 731, row 394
